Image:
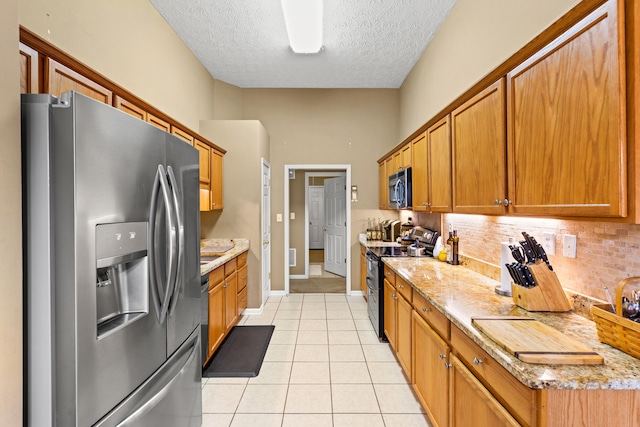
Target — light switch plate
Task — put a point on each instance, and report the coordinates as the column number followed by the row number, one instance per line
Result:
column 292, row 215
column 569, row 245
column 278, row 217
column 549, row 243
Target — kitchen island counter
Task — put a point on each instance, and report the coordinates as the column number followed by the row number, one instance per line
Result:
column 460, row 294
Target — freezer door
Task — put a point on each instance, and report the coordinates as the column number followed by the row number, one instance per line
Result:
column 172, row 397
column 105, row 166
column 183, row 316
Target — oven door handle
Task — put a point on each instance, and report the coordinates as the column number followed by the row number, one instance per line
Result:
column 369, row 281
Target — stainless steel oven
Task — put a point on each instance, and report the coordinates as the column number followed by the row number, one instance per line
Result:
column 375, row 295
column 425, row 238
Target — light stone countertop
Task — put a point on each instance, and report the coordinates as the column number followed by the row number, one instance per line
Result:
column 378, row 244
column 460, row 293
column 209, row 247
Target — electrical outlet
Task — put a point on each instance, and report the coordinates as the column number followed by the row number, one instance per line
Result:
column 569, row 245
column 549, row 243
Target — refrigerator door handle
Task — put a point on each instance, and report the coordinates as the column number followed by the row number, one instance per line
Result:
column 161, row 304
column 180, row 255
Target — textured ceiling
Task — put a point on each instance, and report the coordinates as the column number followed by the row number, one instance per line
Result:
column 367, row 43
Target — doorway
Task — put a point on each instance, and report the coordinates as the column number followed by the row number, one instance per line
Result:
column 317, row 257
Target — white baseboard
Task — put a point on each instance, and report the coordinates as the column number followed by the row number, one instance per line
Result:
column 253, row 311
column 277, row 293
column 356, row 293
column 298, row 276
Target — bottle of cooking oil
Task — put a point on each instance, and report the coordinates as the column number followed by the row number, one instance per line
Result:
column 369, row 230
column 455, row 243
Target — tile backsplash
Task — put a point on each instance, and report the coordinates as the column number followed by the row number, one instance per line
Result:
column 606, row 252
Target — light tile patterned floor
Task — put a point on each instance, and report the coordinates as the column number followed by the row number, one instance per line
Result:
column 324, row 367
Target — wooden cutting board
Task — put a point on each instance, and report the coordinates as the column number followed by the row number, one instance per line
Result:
column 534, row 342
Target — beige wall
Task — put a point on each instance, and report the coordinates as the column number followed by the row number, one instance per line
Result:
column 130, row 43
column 11, row 224
column 324, row 127
column 475, row 38
column 227, row 101
column 247, row 143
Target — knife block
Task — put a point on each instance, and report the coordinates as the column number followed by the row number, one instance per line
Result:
column 548, row 295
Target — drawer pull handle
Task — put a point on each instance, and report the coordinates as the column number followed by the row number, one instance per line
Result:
column 477, row 361
column 425, row 310
column 400, row 287
column 447, row 365
column 442, row 356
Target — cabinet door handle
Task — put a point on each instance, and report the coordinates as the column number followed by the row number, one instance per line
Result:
column 497, row 202
column 442, row 356
column 400, row 287
column 425, row 310
column 477, row 361
column 506, row 202
column 447, row 365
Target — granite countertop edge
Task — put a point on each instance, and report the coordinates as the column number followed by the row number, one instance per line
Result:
column 240, row 246
column 459, row 293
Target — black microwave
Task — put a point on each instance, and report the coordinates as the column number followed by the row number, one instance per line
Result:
column 400, row 189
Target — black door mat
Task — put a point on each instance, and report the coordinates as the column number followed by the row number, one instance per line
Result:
column 242, row 352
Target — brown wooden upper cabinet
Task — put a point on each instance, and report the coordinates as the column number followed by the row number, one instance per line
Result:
column 216, row 179
column 158, row 122
column 431, row 168
column 420, row 174
column 383, row 185
column 566, row 123
column 29, row 76
column 59, row 79
column 129, row 108
column 185, row 136
column 204, row 152
column 402, row 158
column 478, row 134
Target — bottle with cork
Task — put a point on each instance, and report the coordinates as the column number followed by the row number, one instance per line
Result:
column 455, row 243
column 448, row 244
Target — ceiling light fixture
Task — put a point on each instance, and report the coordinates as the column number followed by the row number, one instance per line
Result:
column 303, row 19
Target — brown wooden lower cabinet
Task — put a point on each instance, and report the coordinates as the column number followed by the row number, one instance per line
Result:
column 431, row 371
column 390, row 305
column 363, row 274
column 403, row 333
column 231, row 301
column 227, row 300
column 472, row 404
column 216, row 318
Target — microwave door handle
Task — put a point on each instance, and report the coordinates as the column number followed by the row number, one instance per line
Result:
column 396, row 192
column 180, row 236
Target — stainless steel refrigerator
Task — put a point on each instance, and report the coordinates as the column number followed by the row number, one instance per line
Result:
column 112, row 280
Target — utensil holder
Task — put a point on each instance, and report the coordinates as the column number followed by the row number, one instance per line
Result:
column 613, row 328
column 548, row 295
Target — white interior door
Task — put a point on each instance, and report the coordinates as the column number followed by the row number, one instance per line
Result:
column 335, row 192
column 266, row 230
column 316, row 217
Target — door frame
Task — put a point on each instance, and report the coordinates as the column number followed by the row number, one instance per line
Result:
column 345, row 169
column 307, row 175
column 265, row 283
